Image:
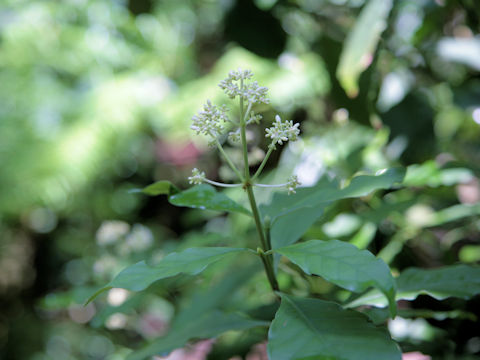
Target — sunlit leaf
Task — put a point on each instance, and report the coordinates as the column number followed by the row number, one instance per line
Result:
column 361, row 43
column 344, row 265
column 430, row 174
column 292, row 215
column 460, row 50
column 163, row 187
column 191, row 261
column 343, row 224
column 206, row 197
column 461, row 281
column 364, row 236
column 316, row 329
column 453, row 213
column 469, row 253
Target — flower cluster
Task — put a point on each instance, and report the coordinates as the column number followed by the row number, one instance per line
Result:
column 292, row 184
column 255, row 94
column 282, row 131
column 251, row 92
column 234, row 136
column 229, row 86
column 210, row 121
column 254, row 118
column 197, row 177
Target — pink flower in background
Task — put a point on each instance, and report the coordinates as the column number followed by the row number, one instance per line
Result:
column 198, row 351
column 415, row 356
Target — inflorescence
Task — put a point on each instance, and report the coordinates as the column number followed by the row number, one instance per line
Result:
column 213, row 122
column 282, row 131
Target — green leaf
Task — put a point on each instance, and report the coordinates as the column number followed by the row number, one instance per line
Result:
column 206, row 325
column 201, row 317
column 218, row 295
column 380, row 315
column 364, row 184
column 317, row 329
column 462, row 281
column 191, row 261
column 364, row 236
column 292, row 215
column 344, row 265
column 201, row 196
column 206, row 197
column 429, row 173
column 163, row 187
column 361, row 42
column 452, row 213
column 105, row 312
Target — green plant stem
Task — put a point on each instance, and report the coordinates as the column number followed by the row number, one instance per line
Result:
column 256, row 217
column 243, row 136
column 269, row 252
column 267, row 224
column 269, row 270
column 245, row 151
column 266, row 260
column 264, row 162
column 249, row 107
column 227, row 159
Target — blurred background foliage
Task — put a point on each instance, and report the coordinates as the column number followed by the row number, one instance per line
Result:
column 96, row 98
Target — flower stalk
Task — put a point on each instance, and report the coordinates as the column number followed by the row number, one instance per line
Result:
column 213, row 122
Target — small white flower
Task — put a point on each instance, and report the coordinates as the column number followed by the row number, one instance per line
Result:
column 251, row 92
column 234, row 136
column 292, row 184
column 256, row 94
column 254, row 118
column 282, row 131
column 240, row 74
column 210, row 121
column 232, row 90
column 198, row 177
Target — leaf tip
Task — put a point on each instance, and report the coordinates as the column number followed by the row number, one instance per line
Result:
column 98, row 292
column 135, row 191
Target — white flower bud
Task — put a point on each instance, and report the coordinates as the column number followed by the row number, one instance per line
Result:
column 292, row 184
column 234, row 136
column 197, row 177
column 251, row 92
column 282, row 131
column 211, row 120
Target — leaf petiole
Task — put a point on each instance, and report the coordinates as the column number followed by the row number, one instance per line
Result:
column 264, row 162
column 228, row 160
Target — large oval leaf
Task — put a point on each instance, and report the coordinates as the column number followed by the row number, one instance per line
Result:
column 462, row 281
column 201, row 196
column 206, row 197
column 292, row 215
column 344, row 265
column 191, row 261
column 361, row 43
column 201, row 315
column 317, row 329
